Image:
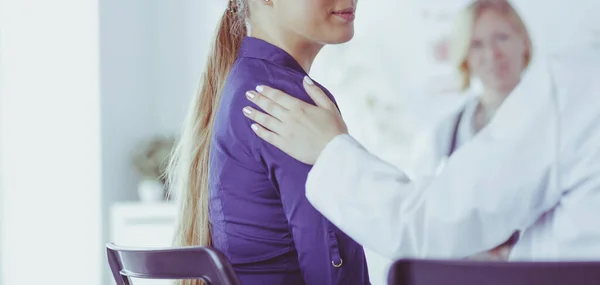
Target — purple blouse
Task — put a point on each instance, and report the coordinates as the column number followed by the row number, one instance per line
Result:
column 260, row 217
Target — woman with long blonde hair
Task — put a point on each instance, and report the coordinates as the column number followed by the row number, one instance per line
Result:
column 238, row 194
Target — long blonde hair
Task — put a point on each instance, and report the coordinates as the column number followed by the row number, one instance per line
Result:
column 463, row 30
column 189, row 165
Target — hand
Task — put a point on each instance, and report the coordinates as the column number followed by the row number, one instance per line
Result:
column 297, row 128
column 500, row 253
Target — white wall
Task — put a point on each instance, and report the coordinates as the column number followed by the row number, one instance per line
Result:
column 152, row 54
column 2, row 244
column 561, row 24
column 49, row 124
column 377, row 74
column 181, row 35
column 127, row 104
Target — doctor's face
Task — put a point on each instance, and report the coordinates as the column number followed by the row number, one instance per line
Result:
column 497, row 53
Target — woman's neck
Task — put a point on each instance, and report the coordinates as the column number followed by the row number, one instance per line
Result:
column 301, row 49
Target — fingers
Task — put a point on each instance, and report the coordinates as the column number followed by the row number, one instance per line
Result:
column 267, row 135
column 281, row 98
column 317, row 95
column 263, row 119
column 268, row 105
column 501, row 252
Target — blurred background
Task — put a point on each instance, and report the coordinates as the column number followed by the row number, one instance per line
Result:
column 93, row 93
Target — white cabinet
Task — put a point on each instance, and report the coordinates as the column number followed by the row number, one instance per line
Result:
column 149, row 225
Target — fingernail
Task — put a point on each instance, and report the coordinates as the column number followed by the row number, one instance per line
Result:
column 249, row 95
column 247, row 111
column 308, row 80
column 260, row 88
column 254, row 127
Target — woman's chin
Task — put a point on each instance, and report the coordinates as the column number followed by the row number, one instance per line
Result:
column 342, row 37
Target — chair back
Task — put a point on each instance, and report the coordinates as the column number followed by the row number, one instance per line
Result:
column 206, row 264
column 464, row 272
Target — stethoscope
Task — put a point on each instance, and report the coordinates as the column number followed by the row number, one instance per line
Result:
column 453, row 143
column 454, row 138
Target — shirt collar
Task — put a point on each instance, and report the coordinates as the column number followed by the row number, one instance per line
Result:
column 257, row 48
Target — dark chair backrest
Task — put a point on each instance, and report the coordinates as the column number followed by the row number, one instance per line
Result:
column 195, row 262
column 445, row 272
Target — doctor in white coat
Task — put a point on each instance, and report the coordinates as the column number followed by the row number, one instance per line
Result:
column 535, row 169
column 489, row 43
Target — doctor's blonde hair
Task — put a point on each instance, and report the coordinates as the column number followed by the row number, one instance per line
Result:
column 463, row 31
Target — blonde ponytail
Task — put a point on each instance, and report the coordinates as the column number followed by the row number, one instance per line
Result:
column 189, row 167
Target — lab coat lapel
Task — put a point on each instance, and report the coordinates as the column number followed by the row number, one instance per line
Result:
column 531, row 101
column 430, row 149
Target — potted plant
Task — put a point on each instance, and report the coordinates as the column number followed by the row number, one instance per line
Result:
column 151, row 159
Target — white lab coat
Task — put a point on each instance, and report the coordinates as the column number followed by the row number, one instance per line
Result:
column 534, row 168
column 431, row 147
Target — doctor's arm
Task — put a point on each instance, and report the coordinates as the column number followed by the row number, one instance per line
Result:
column 485, row 192
column 475, row 204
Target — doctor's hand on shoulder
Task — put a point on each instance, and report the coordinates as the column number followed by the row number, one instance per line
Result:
column 297, row 128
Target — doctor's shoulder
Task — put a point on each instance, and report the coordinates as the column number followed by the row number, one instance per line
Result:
column 576, row 75
column 575, row 65
column 582, row 55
